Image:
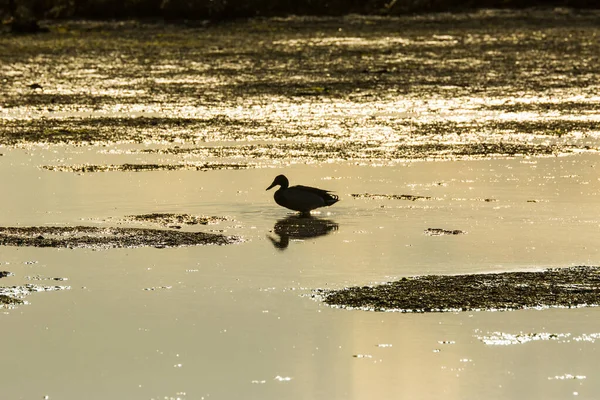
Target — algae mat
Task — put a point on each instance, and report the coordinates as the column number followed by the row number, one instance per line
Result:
column 556, row 287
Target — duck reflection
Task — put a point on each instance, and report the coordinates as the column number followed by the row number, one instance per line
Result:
column 299, row 227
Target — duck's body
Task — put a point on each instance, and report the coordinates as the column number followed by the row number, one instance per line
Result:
column 301, row 198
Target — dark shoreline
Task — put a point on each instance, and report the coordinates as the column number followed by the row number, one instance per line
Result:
column 25, row 16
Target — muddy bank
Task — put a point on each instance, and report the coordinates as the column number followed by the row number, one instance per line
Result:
column 102, row 238
column 560, row 287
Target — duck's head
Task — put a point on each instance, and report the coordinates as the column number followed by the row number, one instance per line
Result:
column 280, row 180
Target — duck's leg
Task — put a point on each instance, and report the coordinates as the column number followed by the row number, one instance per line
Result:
column 304, row 214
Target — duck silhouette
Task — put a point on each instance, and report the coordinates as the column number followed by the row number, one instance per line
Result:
column 301, row 198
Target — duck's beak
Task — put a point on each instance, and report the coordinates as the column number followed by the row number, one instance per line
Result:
column 272, row 185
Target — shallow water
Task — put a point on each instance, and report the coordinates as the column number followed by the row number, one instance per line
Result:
column 238, row 321
column 214, row 320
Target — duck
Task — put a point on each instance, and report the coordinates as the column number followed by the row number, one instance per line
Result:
column 301, row 198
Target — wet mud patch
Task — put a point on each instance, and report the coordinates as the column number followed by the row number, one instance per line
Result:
column 8, row 301
column 556, row 287
column 109, row 237
column 483, row 149
column 174, row 220
column 111, row 130
column 44, row 278
column 548, row 127
column 87, row 168
column 507, row 339
column 402, row 147
column 442, row 232
column 489, row 149
column 573, row 107
column 305, row 140
column 11, row 296
column 390, row 196
column 545, row 126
